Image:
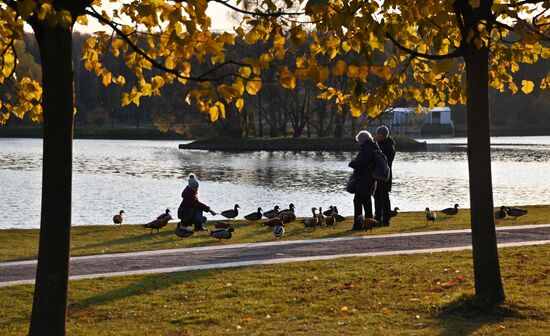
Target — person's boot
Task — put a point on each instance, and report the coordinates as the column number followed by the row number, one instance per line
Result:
column 200, row 228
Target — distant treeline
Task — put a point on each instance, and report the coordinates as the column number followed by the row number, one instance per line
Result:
column 273, row 112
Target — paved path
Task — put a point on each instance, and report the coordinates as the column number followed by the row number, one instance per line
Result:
column 223, row 256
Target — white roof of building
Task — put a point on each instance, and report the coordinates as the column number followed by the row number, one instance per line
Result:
column 413, row 109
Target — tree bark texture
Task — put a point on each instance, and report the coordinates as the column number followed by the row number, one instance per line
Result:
column 50, row 295
column 488, row 283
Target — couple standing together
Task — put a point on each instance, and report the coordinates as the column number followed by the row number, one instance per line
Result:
column 366, row 185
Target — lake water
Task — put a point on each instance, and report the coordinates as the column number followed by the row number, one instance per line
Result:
column 146, row 177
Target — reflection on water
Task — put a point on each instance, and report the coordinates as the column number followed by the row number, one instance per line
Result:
column 145, row 177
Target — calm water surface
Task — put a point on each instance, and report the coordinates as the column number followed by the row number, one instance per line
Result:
column 145, row 177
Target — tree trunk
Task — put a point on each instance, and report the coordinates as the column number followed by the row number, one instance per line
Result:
column 488, row 283
column 50, row 294
column 339, row 125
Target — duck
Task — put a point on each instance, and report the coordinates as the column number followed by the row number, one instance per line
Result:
column 272, row 213
column 516, row 212
column 450, row 211
column 369, row 223
column 393, row 213
column 279, row 231
column 329, row 211
column 339, row 218
column 222, row 225
column 222, row 233
column 500, row 214
column 255, row 216
column 165, row 215
column 430, row 216
column 331, row 220
column 184, row 232
column 232, row 213
column 118, row 219
column 290, row 210
column 158, row 223
column 287, row 218
column 273, row 222
column 312, row 222
column 321, row 217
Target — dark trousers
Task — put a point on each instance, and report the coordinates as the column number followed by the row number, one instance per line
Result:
column 361, row 202
column 194, row 216
column 382, row 205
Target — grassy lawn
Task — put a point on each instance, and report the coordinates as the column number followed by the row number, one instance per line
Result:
column 423, row 294
column 100, row 239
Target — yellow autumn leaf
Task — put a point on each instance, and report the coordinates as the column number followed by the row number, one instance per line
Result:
column 239, row 104
column 106, row 77
column 527, row 86
column 252, row 87
column 353, row 71
column 287, row 79
column 245, row 71
column 214, row 113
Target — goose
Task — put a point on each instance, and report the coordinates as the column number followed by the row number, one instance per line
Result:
column 165, row 215
column 329, row 211
column 222, row 233
column 430, row 216
column 279, row 231
column 290, row 210
column 158, row 224
column 321, row 217
column 368, row 223
column 394, row 212
column 184, row 232
column 118, row 219
column 255, row 216
column 273, row 222
column 501, row 214
column 232, row 213
column 450, row 211
column 222, row 225
column 311, row 222
column 516, row 212
column 272, row 213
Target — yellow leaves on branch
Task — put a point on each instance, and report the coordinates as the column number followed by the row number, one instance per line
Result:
column 527, row 86
column 287, row 79
column 253, row 86
column 216, row 110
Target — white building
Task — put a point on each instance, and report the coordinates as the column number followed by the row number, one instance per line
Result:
column 406, row 120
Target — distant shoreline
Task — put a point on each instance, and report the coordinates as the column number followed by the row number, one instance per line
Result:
column 117, row 133
column 403, row 143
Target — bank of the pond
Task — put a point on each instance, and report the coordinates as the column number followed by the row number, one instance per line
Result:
column 403, row 143
column 149, row 132
column 22, row 244
column 423, row 294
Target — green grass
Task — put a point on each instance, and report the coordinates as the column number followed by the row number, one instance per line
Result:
column 423, row 294
column 99, row 239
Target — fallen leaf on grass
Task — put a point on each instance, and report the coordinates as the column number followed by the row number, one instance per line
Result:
column 247, row 319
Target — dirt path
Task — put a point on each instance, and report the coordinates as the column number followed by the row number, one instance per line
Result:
column 236, row 255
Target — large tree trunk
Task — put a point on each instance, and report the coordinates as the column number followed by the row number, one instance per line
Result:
column 50, row 294
column 488, row 283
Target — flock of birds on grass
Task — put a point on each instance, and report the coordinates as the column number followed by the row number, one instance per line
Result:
column 276, row 219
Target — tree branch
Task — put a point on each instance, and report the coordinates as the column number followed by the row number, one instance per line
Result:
column 456, row 53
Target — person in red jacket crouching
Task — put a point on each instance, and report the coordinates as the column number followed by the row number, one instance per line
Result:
column 191, row 209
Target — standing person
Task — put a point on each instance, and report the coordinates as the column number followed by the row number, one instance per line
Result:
column 382, row 204
column 362, row 165
column 191, row 209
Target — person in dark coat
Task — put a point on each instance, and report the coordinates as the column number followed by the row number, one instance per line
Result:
column 362, row 165
column 382, row 204
column 191, row 209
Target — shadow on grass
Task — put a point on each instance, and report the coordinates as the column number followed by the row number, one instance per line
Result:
column 143, row 285
column 467, row 314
